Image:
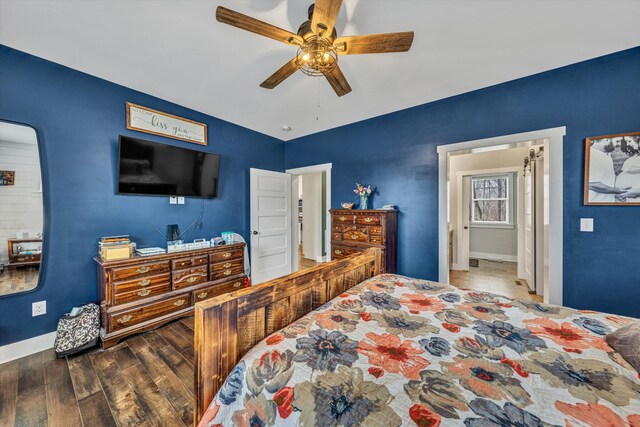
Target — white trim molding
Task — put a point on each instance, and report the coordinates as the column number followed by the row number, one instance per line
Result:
column 553, row 139
column 493, row 257
column 324, row 167
column 27, row 347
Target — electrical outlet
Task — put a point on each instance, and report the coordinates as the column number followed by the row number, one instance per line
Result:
column 38, row 308
column 173, row 200
column 180, row 200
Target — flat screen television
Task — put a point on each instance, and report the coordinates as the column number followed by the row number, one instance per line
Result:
column 152, row 168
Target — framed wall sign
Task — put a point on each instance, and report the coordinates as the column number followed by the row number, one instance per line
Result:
column 156, row 122
column 612, row 170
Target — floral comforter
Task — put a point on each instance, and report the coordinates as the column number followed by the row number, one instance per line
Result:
column 399, row 351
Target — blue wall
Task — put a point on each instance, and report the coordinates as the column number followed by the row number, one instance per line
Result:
column 78, row 118
column 397, row 154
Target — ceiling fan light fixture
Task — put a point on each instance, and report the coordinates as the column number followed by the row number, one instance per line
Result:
column 316, row 57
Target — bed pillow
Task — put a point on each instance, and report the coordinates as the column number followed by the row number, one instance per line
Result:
column 626, row 341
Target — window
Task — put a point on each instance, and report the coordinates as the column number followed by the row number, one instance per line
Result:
column 490, row 199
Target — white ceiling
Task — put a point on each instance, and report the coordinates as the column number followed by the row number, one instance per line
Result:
column 177, row 51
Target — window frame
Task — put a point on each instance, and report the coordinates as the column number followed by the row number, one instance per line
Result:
column 509, row 222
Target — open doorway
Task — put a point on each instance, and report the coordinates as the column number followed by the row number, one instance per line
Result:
column 493, row 220
column 502, row 215
column 311, row 201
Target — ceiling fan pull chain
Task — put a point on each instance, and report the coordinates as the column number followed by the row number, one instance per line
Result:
column 318, row 105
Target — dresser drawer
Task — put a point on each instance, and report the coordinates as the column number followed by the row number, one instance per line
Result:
column 139, row 270
column 24, row 258
column 189, row 277
column 375, row 230
column 356, row 236
column 227, row 255
column 368, row 220
column 141, row 283
column 178, row 264
column 220, row 289
column 223, row 270
column 150, row 291
column 150, row 311
column 375, row 239
column 340, row 251
column 342, row 219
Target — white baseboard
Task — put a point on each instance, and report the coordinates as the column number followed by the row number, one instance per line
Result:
column 501, row 257
column 320, row 259
column 24, row 348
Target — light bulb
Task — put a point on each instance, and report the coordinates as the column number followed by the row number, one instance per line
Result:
column 305, row 57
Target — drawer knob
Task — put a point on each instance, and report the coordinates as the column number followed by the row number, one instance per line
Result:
column 202, row 295
column 337, row 252
column 368, row 219
column 144, row 282
column 124, row 319
column 143, row 270
column 179, row 303
column 192, row 279
column 226, row 255
column 354, row 237
column 343, row 218
column 237, row 285
column 144, row 293
column 227, row 272
column 227, row 265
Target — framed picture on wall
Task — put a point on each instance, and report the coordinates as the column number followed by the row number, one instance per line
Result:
column 7, row 177
column 612, row 170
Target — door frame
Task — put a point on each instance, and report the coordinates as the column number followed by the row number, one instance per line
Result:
column 295, row 172
column 554, row 142
column 460, row 263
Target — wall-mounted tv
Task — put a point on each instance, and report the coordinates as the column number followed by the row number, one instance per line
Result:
column 151, row 168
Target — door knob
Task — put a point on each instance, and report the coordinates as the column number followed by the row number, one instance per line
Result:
column 466, row 228
column 254, row 232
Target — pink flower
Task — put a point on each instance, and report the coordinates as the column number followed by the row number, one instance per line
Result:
column 393, row 355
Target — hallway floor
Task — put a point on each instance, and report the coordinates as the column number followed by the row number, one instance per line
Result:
column 305, row 263
column 493, row 276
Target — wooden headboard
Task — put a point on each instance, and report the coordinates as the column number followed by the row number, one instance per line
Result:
column 228, row 326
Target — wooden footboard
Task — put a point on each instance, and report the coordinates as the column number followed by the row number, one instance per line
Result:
column 228, row 326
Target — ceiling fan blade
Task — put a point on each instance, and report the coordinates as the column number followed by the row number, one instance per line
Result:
column 374, row 43
column 244, row 22
column 279, row 76
column 337, row 81
column 324, row 16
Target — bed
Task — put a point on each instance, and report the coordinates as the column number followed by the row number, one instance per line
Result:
column 343, row 345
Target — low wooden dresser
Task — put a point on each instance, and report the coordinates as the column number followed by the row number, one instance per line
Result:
column 356, row 230
column 142, row 293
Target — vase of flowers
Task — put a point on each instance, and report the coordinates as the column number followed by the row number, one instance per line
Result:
column 364, row 193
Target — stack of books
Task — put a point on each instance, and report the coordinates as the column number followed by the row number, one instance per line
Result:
column 150, row 251
column 115, row 247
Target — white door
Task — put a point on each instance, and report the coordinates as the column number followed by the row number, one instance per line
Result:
column 529, row 232
column 541, row 224
column 464, row 219
column 270, row 225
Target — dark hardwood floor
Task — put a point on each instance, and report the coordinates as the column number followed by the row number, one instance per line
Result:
column 146, row 380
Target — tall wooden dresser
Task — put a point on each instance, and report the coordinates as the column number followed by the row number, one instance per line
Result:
column 356, row 230
column 142, row 293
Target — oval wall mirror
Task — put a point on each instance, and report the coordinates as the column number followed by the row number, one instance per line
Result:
column 21, row 209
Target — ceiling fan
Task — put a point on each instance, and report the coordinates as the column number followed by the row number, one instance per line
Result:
column 318, row 44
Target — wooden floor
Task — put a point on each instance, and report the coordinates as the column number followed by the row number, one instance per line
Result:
column 493, row 276
column 146, row 380
column 305, row 263
column 18, row 279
